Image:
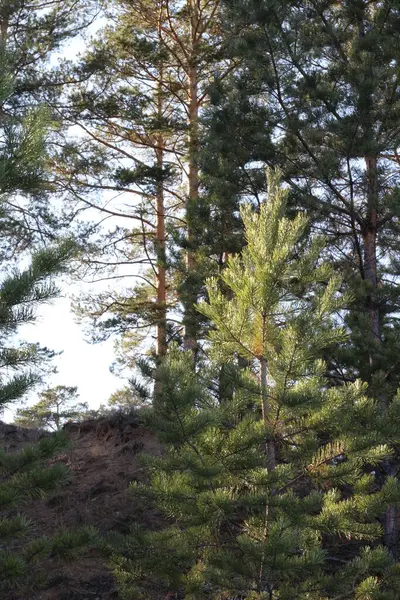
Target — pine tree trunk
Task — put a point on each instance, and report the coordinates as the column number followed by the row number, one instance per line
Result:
column 369, row 238
column 370, row 270
column 161, row 334
column 271, row 455
column 161, row 259
column 57, row 417
column 191, row 317
column 160, row 233
column 269, row 445
column 4, row 22
column 391, row 535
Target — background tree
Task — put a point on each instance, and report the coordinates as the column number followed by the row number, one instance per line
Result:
column 125, row 400
column 139, row 114
column 261, row 489
column 56, row 406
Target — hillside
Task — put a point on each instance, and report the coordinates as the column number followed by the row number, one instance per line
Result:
column 103, row 460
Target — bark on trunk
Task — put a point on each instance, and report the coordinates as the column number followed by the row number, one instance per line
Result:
column 191, row 317
column 391, row 534
column 369, row 237
column 161, row 334
column 161, row 259
column 270, row 452
column 4, row 22
column 269, row 444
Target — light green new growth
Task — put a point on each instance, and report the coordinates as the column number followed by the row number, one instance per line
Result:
column 267, row 478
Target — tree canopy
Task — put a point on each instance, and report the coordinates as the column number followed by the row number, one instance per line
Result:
column 55, row 407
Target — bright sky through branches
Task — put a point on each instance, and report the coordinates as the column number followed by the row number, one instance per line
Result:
column 82, row 364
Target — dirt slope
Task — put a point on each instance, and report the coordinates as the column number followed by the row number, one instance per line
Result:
column 103, row 460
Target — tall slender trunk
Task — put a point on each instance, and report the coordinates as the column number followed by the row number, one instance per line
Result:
column 161, row 334
column 270, row 453
column 57, row 417
column 191, row 317
column 391, row 534
column 160, row 241
column 369, row 238
column 370, row 270
column 269, row 444
column 161, row 260
column 4, row 23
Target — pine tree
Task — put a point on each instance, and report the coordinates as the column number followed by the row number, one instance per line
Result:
column 55, row 407
column 31, row 34
column 125, row 400
column 130, row 142
column 324, row 93
column 270, row 494
column 139, row 113
column 34, row 35
column 27, row 474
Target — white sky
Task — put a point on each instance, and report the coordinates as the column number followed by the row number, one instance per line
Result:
column 81, row 364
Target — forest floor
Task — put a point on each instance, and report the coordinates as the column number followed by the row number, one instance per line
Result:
column 103, row 461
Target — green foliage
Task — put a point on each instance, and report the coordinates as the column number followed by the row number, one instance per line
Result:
column 125, row 400
column 32, row 33
column 24, row 565
column 312, row 91
column 32, row 472
column 20, row 293
column 132, row 135
column 23, row 166
column 56, row 406
column 139, row 129
column 27, row 475
column 268, row 488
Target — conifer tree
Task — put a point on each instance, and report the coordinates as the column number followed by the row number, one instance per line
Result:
column 34, row 34
column 55, row 407
column 270, row 494
column 130, row 148
column 139, row 113
column 324, row 94
column 27, row 474
column 31, row 34
column 125, row 400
